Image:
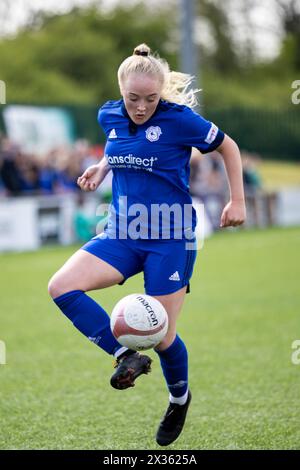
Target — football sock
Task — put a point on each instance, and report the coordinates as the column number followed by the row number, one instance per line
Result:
column 174, row 363
column 118, row 354
column 89, row 318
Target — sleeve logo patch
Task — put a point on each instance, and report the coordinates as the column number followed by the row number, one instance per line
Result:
column 212, row 134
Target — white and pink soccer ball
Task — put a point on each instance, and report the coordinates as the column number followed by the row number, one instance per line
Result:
column 139, row 322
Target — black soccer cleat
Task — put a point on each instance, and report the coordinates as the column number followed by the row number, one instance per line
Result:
column 172, row 422
column 128, row 369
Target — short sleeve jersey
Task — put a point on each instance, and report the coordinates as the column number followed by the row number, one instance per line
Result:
column 150, row 165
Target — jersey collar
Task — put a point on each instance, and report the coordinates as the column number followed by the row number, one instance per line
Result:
column 132, row 125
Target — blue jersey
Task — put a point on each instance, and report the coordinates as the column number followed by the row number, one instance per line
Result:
column 150, row 164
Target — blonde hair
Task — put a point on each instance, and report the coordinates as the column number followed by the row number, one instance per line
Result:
column 175, row 85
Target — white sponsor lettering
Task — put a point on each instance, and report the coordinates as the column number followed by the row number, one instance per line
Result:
column 130, row 160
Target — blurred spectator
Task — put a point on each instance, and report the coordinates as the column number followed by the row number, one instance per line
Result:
column 9, row 173
column 28, row 171
column 47, row 174
column 208, row 184
column 251, row 176
column 261, row 204
column 89, row 216
column 53, row 173
column 57, row 171
column 84, row 221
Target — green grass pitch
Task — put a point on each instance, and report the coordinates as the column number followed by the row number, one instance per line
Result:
column 238, row 323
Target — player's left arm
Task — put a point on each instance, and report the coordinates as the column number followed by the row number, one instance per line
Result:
column 234, row 213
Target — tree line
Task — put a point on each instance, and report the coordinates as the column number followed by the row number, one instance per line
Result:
column 73, row 58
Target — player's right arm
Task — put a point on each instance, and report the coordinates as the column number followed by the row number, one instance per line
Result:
column 93, row 176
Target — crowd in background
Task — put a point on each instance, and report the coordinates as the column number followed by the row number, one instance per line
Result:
column 55, row 172
column 209, row 185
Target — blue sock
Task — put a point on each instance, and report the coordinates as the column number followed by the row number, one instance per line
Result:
column 89, row 318
column 174, row 363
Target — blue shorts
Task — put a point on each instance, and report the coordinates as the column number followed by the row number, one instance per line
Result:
column 167, row 264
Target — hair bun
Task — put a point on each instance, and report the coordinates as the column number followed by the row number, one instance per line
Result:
column 142, row 50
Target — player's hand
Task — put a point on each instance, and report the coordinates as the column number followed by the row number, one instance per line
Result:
column 90, row 179
column 234, row 214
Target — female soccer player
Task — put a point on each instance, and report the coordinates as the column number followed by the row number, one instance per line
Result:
column 150, row 133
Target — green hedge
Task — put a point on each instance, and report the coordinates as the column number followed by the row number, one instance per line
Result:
column 273, row 134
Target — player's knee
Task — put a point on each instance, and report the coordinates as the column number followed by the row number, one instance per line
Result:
column 167, row 341
column 56, row 286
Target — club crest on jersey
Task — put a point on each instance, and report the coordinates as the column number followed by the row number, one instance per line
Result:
column 153, row 133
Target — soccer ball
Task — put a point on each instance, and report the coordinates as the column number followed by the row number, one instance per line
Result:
column 139, row 322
